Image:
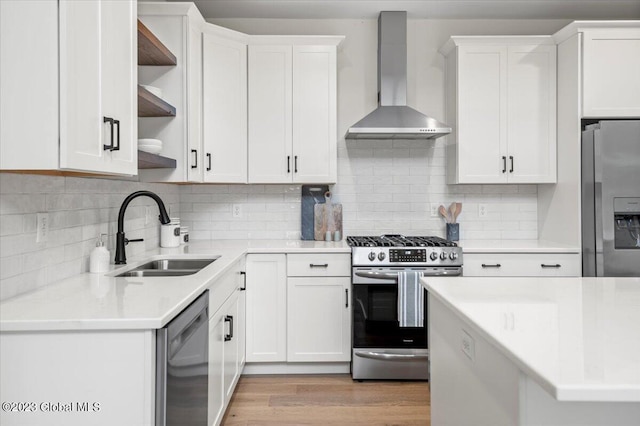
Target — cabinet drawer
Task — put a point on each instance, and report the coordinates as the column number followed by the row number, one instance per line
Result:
column 319, row 265
column 522, row 265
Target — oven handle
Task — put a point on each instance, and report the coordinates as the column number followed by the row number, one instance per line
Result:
column 394, row 275
column 390, row 357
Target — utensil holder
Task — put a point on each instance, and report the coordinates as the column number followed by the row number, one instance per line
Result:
column 453, row 231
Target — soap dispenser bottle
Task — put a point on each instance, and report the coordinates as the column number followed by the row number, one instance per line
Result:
column 99, row 258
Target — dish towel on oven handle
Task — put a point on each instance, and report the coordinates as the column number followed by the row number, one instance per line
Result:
column 410, row 299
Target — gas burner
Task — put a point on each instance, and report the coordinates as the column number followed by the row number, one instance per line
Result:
column 396, row 240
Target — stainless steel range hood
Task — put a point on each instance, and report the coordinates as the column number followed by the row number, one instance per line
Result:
column 393, row 119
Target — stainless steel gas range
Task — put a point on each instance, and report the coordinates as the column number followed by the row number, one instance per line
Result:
column 382, row 349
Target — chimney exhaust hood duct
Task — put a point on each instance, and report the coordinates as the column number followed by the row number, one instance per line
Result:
column 393, row 119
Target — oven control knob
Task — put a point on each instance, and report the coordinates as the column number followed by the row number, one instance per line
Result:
column 433, row 255
column 443, row 256
column 372, row 256
column 453, row 255
column 381, row 255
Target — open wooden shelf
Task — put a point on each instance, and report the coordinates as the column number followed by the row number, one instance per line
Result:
column 151, row 51
column 149, row 105
column 146, row 160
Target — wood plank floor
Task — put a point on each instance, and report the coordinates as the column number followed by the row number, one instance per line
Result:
column 327, row 400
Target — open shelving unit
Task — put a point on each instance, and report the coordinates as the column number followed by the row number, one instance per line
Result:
column 151, row 51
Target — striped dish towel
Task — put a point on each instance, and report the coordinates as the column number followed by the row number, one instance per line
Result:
column 410, row 299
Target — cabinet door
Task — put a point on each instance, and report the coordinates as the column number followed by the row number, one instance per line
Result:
column 270, row 114
column 193, row 99
column 531, row 117
column 314, row 114
column 318, row 323
column 482, row 114
column 266, row 308
column 611, row 73
column 224, row 109
column 97, row 75
column 231, row 371
column 216, row 365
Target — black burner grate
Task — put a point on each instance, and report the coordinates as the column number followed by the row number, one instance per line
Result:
column 398, row 241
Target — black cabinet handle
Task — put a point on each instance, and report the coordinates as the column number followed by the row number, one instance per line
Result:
column 511, row 158
column 346, row 298
column 229, row 336
column 195, row 159
column 295, row 164
column 288, row 164
column 489, row 265
column 209, row 161
column 244, row 275
column 314, row 265
column 110, row 121
column 116, row 123
column 504, row 164
column 544, row 265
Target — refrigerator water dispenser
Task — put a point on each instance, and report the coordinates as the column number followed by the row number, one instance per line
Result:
column 626, row 223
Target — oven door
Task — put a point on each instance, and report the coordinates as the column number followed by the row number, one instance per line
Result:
column 375, row 312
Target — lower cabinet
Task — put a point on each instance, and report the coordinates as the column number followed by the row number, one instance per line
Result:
column 522, row 265
column 226, row 341
column 298, row 307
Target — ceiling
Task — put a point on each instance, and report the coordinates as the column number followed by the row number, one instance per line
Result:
column 422, row 9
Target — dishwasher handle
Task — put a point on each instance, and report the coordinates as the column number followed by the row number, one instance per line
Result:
column 185, row 334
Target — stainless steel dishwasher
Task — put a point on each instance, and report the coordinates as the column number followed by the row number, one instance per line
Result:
column 182, row 367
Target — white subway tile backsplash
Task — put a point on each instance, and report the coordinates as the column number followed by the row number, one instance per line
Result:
column 79, row 209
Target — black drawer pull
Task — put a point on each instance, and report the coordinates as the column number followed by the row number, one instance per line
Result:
column 314, row 265
column 488, row 265
column 544, row 265
column 346, row 298
column 229, row 336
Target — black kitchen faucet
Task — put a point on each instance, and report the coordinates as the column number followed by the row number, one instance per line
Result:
column 121, row 241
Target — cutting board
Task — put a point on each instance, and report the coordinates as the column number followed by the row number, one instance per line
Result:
column 311, row 195
column 321, row 220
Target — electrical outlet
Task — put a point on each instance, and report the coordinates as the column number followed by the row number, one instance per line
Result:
column 468, row 345
column 42, row 227
column 482, row 210
column 434, row 210
column 237, row 210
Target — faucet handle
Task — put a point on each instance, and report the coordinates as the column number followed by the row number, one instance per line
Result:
column 136, row 240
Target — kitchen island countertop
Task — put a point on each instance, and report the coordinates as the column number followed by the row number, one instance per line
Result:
column 577, row 338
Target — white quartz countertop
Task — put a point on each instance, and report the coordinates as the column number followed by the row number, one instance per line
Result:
column 578, row 338
column 104, row 302
column 515, row 246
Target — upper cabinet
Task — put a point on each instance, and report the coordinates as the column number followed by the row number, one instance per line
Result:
column 70, row 103
column 178, row 26
column 610, row 68
column 501, row 101
column 292, row 109
column 224, row 88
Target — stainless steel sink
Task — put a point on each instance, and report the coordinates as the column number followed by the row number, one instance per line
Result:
column 168, row 268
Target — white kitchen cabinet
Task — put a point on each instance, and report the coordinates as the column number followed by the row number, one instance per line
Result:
column 292, row 132
column 179, row 27
column 224, row 87
column 298, row 307
column 266, row 308
column 70, row 104
column 611, row 72
column 318, row 307
column 319, row 319
column 522, row 265
column 501, row 101
column 226, row 340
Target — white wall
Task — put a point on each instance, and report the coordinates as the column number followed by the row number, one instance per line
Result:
column 79, row 210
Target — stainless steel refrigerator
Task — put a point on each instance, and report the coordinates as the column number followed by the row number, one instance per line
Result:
column 611, row 199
